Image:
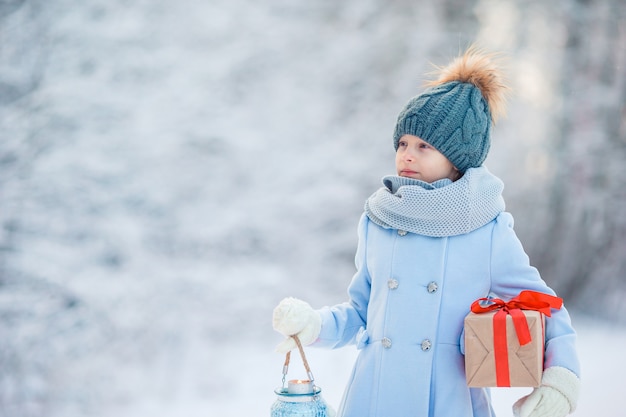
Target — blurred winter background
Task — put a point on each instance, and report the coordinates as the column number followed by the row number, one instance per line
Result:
column 169, row 170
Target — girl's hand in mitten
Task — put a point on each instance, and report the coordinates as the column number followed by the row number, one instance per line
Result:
column 555, row 397
column 296, row 317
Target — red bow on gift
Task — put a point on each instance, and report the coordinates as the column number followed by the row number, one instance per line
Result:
column 526, row 300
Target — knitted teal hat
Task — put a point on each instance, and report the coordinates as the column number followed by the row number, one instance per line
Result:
column 455, row 113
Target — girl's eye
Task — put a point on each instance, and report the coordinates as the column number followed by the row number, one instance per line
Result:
column 424, row 146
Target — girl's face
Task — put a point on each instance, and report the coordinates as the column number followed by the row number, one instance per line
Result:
column 417, row 159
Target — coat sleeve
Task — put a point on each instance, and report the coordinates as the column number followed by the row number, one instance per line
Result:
column 511, row 273
column 342, row 322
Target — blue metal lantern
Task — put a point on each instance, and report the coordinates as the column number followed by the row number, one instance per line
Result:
column 299, row 398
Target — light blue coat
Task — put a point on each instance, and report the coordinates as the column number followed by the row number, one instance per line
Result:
column 405, row 314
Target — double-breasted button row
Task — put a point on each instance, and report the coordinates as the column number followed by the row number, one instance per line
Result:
column 426, row 344
column 393, row 284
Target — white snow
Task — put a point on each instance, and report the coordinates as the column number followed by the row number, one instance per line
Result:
column 181, row 167
column 245, row 374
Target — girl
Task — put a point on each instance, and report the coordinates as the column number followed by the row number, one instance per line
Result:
column 431, row 241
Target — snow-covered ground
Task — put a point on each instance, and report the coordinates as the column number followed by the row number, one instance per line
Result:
column 176, row 168
column 245, row 375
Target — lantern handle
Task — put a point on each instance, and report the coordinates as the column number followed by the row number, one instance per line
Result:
column 304, row 361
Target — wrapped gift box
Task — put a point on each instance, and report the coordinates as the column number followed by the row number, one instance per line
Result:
column 525, row 363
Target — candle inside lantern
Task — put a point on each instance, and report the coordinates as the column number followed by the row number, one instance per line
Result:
column 300, row 386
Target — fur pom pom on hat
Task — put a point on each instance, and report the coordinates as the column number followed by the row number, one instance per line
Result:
column 454, row 114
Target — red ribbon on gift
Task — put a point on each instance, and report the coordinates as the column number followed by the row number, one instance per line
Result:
column 526, row 300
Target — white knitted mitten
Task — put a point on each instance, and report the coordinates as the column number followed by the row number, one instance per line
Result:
column 557, row 395
column 296, row 317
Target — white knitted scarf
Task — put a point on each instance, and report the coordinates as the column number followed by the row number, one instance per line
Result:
column 443, row 208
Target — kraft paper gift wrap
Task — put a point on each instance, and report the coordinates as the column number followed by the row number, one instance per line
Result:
column 525, row 363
